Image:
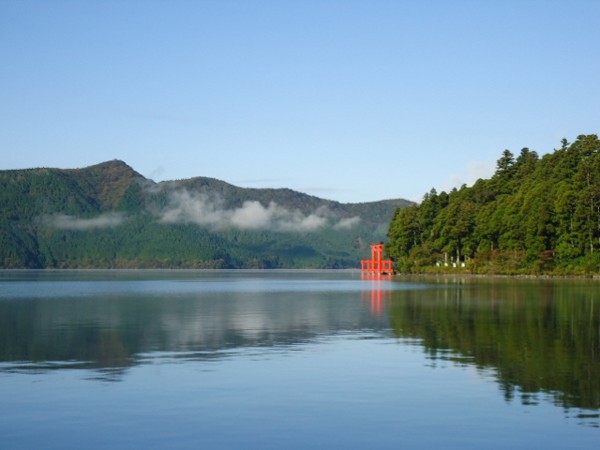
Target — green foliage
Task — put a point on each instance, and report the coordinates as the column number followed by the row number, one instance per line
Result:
column 109, row 216
column 535, row 215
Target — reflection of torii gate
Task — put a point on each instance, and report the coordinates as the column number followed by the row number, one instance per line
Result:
column 377, row 265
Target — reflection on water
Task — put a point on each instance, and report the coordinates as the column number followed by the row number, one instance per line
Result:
column 540, row 338
column 108, row 324
column 377, row 292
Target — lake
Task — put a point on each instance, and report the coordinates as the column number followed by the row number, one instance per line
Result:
column 296, row 360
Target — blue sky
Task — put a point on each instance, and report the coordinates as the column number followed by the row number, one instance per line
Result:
column 347, row 100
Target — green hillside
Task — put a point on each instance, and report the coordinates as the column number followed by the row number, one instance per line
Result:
column 534, row 216
column 109, row 216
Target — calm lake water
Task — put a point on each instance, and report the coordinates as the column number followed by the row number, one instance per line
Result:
column 281, row 360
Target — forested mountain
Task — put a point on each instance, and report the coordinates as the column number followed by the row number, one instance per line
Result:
column 109, row 216
column 535, row 215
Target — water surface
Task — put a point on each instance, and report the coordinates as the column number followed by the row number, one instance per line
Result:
column 284, row 359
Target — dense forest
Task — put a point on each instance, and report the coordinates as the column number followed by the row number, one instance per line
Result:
column 533, row 216
column 110, row 216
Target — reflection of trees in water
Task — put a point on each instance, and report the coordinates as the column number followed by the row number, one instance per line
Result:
column 541, row 338
column 111, row 334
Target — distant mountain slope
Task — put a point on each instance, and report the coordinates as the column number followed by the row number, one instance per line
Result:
column 108, row 215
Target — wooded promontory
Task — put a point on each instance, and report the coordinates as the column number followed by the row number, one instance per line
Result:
column 535, row 215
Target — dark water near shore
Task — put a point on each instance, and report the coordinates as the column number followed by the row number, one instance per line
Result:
column 324, row 359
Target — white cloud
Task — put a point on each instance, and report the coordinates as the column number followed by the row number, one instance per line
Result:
column 480, row 169
column 67, row 222
column 474, row 171
column 349, row 222
column 201, row 209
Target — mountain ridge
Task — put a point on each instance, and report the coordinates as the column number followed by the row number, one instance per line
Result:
column 109, row 215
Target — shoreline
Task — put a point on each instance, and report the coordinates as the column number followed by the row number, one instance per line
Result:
column 398, row 275
column 594, row 277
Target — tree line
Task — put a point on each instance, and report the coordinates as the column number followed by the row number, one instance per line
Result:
column 535, row 215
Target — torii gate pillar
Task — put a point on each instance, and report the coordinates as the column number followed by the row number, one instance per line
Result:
column 377, row 265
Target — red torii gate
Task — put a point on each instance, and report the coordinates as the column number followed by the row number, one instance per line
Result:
column 377, row 265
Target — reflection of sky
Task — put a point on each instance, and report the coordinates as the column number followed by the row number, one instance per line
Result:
column 204, row 363
column 44, row 289
column 356, row 390
column 115, row 315
column 19, row 284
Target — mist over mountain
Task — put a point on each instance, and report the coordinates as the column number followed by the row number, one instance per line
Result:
column 110, row 216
